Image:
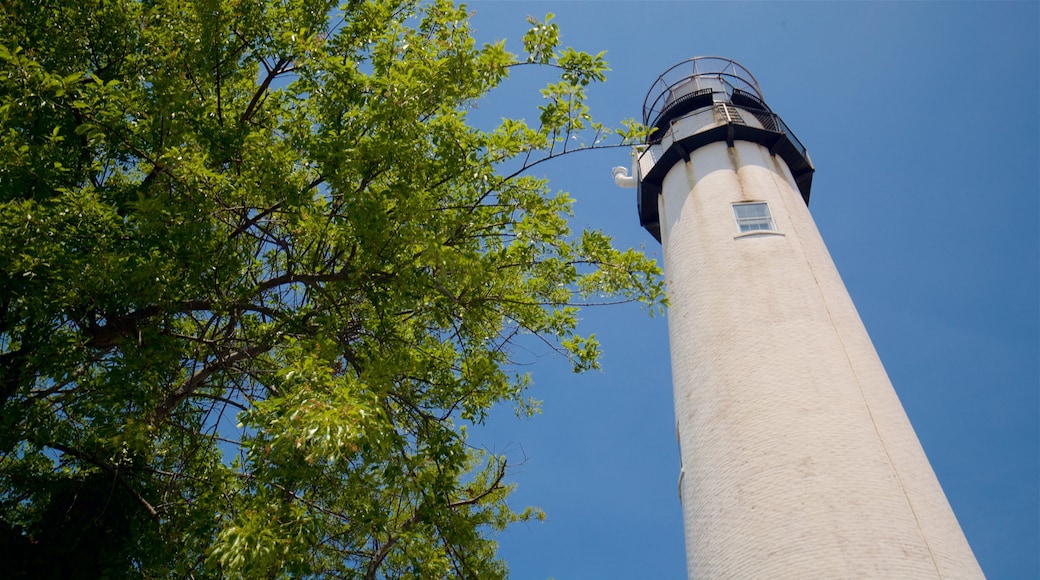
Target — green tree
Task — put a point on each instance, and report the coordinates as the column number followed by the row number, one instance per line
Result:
column 259, row 273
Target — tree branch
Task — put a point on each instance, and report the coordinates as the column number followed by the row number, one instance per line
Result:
column 199, row 377
column 272, row 73
column 114, row 472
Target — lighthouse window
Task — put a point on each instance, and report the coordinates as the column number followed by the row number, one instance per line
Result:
column 753, row 217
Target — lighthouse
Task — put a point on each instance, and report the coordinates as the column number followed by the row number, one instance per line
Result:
column 797, row 458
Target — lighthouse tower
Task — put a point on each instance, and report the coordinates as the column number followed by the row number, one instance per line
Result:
column 798, row 460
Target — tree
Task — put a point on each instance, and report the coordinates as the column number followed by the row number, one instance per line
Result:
column 259, row 273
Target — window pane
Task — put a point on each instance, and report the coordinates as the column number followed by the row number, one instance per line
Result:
column 753, row 217
column 751, row 210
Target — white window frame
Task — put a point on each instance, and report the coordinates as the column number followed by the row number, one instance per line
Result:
column 750, row 224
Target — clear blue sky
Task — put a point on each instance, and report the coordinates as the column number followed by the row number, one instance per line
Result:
column 922, row 121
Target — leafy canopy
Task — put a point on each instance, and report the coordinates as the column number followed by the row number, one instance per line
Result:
column 259, row 273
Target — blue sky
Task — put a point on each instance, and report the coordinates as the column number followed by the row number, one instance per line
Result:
column 922, row 122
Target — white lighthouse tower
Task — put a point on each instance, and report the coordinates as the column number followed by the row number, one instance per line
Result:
column 798, row 460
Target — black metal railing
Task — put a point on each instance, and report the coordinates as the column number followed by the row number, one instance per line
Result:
column 706, row 118
column 692, row 76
